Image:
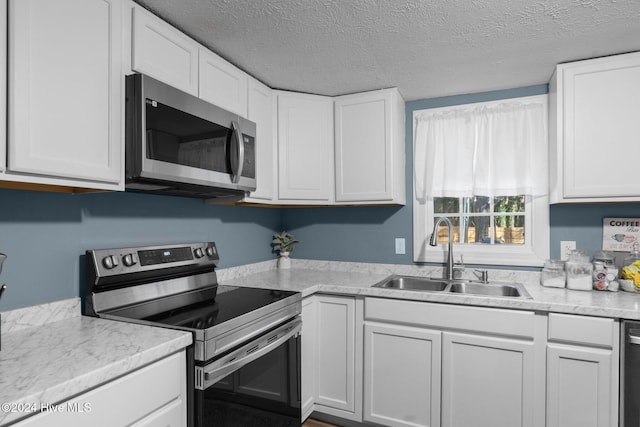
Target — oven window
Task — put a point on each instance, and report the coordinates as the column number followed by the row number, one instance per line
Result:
column 265, row 392
column 177, row 137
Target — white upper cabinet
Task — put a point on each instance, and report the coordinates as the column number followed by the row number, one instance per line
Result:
column 163, row 52
column 594, row 127
column 65, row 101
column 260, row 110
column 305, row 148
column 222, row 84
column 370, row 148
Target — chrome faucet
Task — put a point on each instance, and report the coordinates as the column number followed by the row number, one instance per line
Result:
column 433, row 241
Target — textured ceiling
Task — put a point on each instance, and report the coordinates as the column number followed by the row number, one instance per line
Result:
column 426, row 48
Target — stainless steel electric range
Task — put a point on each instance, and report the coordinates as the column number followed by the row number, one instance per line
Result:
column 244, row 364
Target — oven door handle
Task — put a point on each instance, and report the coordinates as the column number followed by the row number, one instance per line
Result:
column 249, row 352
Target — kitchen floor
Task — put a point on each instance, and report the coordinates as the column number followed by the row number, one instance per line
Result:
column 315, row 423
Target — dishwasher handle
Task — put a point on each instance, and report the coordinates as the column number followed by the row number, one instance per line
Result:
column 634, row 336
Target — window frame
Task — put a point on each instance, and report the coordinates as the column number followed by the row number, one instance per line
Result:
column 531, row 254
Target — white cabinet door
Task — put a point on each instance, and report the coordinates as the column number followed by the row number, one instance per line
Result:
column 155, row 395
column 3, row 88
column 222, row 84
column 339, row 357
column 66, row 91
column 370, row 147
column 594, row 121
column 260, row 111
column 579, row 387
column 309, row 355
column 487, row 381
column 164, row 53
column 582, row 371
column 401, row 375
column 305, row 148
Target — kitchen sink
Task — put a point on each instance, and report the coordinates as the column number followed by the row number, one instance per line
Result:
column 469, row 287
column 490, row 289
column 410, row 283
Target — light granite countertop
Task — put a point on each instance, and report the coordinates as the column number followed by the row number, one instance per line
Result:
column 49, row 363
column 50, row 353
column 309, row 277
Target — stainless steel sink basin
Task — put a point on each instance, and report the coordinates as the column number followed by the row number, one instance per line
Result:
column 490, row 289
column 410, row 283
column 425, row 284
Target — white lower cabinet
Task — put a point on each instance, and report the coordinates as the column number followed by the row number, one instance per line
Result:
column 487, row 381
column 334, row 327
column 582, row 371
column 430, row 364
column 457, row 366
column 152, row 396
column 401, row 375
column 309, row 355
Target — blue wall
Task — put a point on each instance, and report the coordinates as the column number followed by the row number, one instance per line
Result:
column 583, row 223
column 44, row 235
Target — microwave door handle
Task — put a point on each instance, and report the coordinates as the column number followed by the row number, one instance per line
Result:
column 235, row 178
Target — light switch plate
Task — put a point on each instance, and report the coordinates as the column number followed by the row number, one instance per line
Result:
column 400, row 249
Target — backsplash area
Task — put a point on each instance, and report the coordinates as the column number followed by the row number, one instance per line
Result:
column 45, row 235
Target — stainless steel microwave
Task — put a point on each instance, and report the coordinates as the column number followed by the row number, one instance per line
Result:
column 179, row 144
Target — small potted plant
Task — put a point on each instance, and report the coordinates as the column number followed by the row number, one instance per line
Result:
column 283, row 244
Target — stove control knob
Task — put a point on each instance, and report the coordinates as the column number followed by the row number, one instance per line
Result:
column 210, row 251
column 129, row 260
column 110, row 262
column 198, row 253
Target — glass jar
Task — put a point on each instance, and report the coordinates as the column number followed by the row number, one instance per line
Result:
column 579, row 271
column 553, row 274
column 605, row 272
column 606, row 258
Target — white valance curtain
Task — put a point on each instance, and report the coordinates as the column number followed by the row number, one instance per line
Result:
column 490, row 150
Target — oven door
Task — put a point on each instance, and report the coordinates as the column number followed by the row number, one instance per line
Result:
column 257, row 384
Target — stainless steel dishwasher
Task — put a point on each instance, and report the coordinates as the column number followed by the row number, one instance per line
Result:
column 630, row 374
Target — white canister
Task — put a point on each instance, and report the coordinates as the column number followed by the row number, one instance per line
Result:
column 579, row 271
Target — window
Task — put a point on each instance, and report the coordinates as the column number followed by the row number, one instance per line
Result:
column 484, row 167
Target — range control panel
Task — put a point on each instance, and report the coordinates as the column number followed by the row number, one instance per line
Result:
column 112, row 262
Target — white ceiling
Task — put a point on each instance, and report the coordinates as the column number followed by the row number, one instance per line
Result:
column 426, row 48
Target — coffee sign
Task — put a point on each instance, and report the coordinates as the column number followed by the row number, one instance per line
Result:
column 619, row 234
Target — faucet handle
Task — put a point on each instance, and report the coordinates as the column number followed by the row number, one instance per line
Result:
column 483, row 275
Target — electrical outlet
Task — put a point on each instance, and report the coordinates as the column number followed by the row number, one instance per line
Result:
column 400, row 250
column 566, row 246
